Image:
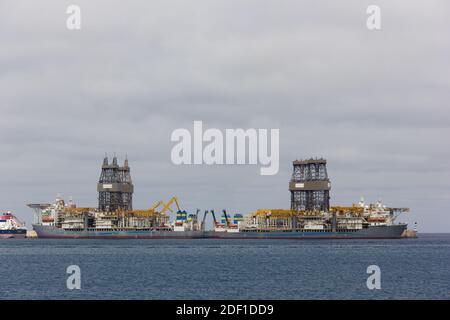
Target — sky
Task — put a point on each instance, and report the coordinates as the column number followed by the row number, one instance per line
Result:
column 375, row 104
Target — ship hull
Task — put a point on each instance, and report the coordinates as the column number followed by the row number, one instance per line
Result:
column 58, row 233
column 373, row 232
column 16, row 234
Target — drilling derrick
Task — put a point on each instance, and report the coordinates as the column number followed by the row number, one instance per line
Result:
column 310, row 186
column 115, row 188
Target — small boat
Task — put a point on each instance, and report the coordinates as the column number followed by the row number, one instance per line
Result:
column 11, row 227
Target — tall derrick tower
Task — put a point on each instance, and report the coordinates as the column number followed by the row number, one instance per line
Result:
column 310, row 186
column 115, row 188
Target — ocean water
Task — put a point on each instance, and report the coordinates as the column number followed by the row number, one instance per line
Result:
column 218, row 269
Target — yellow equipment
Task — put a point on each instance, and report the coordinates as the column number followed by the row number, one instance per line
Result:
column 283, row 213
column 157, row 204
column 152, row 211
column 167, row 206
column 79, row 210
column 354, row 210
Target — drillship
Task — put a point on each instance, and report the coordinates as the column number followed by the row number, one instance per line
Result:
column 310, row 215
column 11, row 227
column 114, row 217
column 374, row 221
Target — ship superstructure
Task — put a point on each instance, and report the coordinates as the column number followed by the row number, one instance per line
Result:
column 73, row 222
column 360, row 220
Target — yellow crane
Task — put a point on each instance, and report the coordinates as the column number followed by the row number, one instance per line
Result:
column 158, row 204
column 152, row 211
column 169, row 203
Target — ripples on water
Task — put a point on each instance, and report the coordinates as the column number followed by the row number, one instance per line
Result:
column 233, row 269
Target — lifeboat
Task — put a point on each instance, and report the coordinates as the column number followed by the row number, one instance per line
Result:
column 376, row 219
column 47, row 219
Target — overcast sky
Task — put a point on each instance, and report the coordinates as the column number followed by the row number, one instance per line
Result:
column 375, row 104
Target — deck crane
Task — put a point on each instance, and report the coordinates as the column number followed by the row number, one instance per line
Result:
column 203, row 220
column 157, row 204
column 226, row 218
column 214, row 217
column 169, row 203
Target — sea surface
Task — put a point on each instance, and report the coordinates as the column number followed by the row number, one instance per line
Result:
column 226, row 269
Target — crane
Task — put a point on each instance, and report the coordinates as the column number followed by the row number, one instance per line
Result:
column 214, row 217
column 226, row 218
column 203, row 221
column 168, row 204
column 158, row 204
